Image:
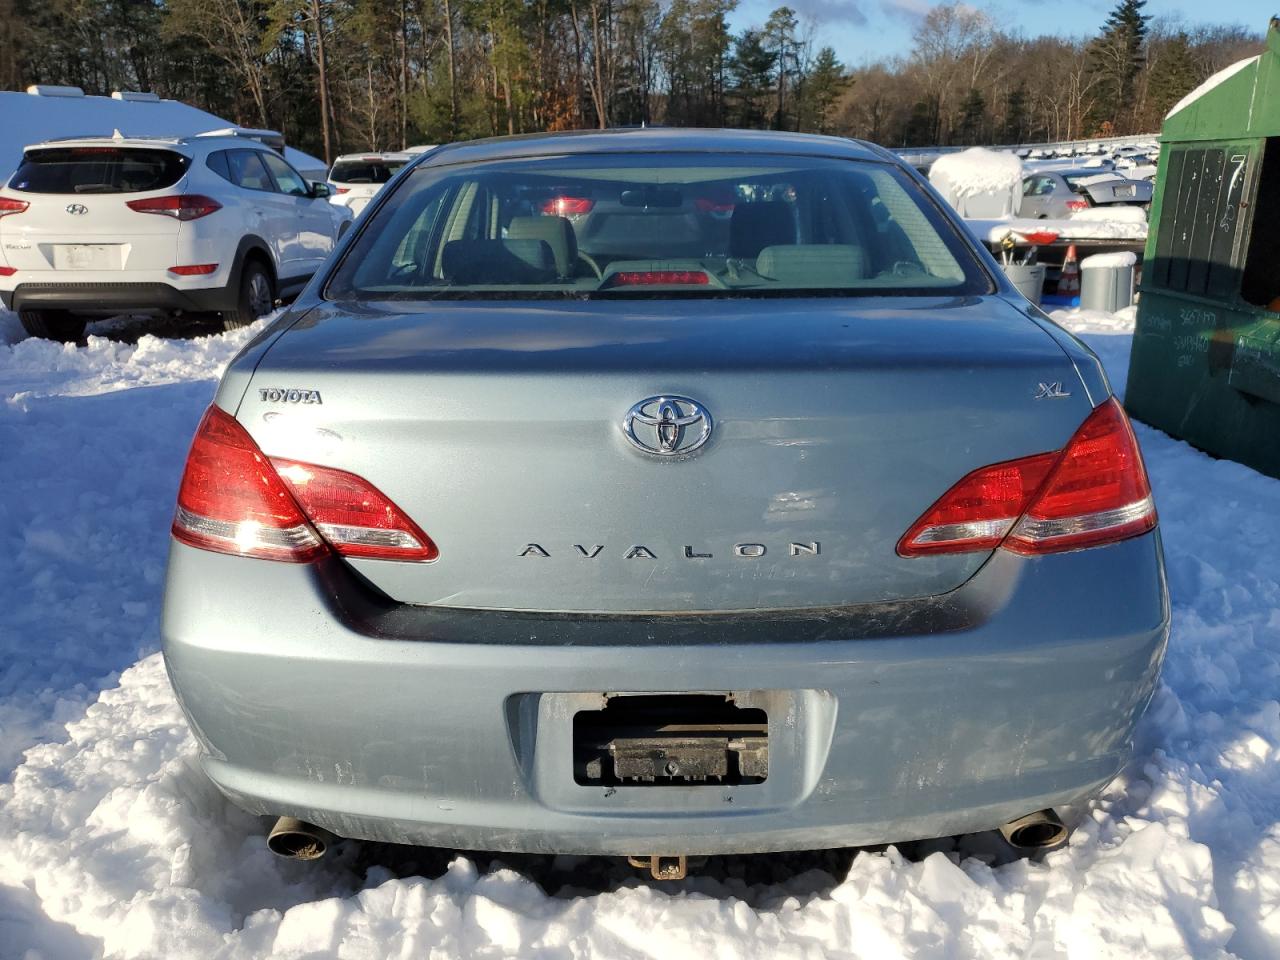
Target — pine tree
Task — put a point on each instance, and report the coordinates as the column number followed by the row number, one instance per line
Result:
column 1016, row 123
column 780, row 39
column 826, row 81
column 973, row 116
column 750, row 71
column 1118, row 54
column 1173, row 75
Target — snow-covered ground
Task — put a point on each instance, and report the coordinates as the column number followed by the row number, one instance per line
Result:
column 112, row 843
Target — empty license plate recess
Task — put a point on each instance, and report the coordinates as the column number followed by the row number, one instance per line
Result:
column 671, row 740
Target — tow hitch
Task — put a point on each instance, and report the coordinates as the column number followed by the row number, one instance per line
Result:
column 662, row 867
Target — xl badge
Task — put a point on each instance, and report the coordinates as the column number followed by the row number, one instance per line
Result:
column 1051, row 391
column 667, row 426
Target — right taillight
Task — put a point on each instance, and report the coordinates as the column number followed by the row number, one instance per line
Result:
column 1094, row 491
column 233, row 499
column 186, row 206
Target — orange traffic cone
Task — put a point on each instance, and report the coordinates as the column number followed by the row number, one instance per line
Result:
column 1069, row 280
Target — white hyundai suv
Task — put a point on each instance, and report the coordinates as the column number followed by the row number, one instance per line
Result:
column 356, row 178
column 94, row 227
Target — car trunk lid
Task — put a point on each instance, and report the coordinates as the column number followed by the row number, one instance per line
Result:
column 498, row 427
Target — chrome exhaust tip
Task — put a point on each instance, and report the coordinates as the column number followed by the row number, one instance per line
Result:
column 1036, row 832
column 296, row 839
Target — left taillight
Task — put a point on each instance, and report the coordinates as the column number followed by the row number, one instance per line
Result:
column 233, row 499
column 1092, row 492
column 184, row 206
column 8, row 206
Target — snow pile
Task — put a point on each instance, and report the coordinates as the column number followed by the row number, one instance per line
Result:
column 112, row 843
column 1104, row 261
column 34, row 367
column 1111, row 213
column 978, row 182
column 1086, row 228
column 102, row 432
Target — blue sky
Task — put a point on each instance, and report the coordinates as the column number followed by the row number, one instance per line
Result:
column 865, row 30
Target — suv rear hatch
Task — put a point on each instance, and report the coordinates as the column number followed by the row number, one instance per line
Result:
column 77, row 217
column 497, row 427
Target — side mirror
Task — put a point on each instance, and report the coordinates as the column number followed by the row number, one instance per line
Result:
column 320, row 189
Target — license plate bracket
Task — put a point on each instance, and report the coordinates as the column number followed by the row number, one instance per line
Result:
column 671, row 740
column 86, row 256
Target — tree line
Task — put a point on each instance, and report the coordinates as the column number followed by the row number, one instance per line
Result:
column 348, row 75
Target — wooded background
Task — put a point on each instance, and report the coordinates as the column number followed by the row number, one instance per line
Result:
column 347, row 75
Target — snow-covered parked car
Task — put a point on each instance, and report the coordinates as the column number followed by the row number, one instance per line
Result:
column 1057, row 194
column 219, row 225
column 673, row 492
column 356, row 178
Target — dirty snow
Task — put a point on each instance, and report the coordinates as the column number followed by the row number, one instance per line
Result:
column 113, row 844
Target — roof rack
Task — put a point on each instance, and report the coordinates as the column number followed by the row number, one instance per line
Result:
column 53, row 90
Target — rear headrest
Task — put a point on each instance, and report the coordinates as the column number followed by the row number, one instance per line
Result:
column 827, row 264
column 498, row 261
column 556, row 231
column 755, row 226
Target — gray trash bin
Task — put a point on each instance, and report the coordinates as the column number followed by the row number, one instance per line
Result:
column 1106, row 281
column 1028, row 279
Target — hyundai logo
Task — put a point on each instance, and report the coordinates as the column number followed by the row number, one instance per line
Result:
column 77, row 209
column 667, row 426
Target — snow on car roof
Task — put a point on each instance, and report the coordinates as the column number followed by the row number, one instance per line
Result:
column 28, row 119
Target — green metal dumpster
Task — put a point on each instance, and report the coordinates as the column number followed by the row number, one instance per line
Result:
column 1206, row 350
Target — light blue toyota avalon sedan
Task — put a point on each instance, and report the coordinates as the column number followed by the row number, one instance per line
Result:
column 663, row 493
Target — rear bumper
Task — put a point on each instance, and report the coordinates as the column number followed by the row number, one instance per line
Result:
column 116, row 297
column 311, row 697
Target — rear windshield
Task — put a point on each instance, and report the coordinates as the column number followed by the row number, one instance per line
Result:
column 664, row 225
column 98, row 170
column 365, row 171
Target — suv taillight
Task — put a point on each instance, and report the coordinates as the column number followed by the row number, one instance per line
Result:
column 9, row 205
column 186, row 206
column 233, row 499
column 1094, row 491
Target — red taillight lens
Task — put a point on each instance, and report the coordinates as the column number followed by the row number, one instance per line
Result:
column 8, row 271
column 647, row 278
column 1076, row 205
column 567, row 206
column 1095, row 491
column 232, row 501
column 235, row 500
column 979, row 511
column 194, row 269
column 342, row 190
column 353, row 516
column 187, row 206
column 9, row 205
